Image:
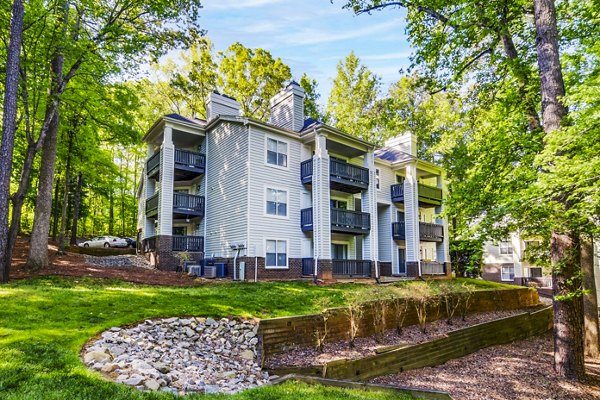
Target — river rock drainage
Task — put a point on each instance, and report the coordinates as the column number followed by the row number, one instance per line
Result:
column 180, row 355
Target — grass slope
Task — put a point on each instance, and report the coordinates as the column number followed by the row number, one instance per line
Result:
column 45, row 321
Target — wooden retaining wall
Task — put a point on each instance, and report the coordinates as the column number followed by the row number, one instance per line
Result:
column 417, row 393
column 279, row 335
column 454, row 345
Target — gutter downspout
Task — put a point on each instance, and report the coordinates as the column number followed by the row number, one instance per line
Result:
column 237, row 253
column 255, row 268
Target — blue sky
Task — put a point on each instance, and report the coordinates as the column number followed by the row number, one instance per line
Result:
column 311, row 35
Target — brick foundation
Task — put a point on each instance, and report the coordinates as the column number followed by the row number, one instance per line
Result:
column 325, row 270
column 294, row 270
column 412, row 269
column 385, row 268
column 164, row 258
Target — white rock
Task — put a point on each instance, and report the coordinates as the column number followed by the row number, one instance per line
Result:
column 152, row 384
column 95, row 356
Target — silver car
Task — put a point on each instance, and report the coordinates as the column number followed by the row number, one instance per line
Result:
column 104, row 241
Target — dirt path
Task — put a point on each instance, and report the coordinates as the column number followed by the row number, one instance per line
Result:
column 521, row 370
column 73, row 264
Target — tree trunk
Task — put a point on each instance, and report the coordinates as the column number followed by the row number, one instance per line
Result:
column 55, row 209
column 38, row 249
column 63, row 218
column 565, row 251
column 568, row 306
column 76, row 202
column 590, row 300
column 9, row 126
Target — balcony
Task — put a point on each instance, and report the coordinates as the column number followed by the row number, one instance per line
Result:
column 432, row 268
column 179, row 243
column 188, row 165
column 342, row 221
column 188, row 243
column 351, row 268
column 429, row 196
column 427, row 232
column 152, row 205
column 186, row 205
column 342, row 176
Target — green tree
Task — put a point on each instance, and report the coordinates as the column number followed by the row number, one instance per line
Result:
column 352, row 99
column 252, row 77
column 311, row 105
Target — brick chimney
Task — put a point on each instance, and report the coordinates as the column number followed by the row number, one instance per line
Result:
column 287, row 107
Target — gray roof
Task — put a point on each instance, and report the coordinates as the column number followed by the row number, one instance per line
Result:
column 391, row 154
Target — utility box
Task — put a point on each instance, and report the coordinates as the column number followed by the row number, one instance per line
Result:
column 210, row 272
column 242, row 270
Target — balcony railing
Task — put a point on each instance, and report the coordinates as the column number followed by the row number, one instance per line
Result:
column 188, row 204
column 427, row 232
column 351, row 267
column 432, row 268
column 153, row 164
column 152, row 204
column 187, row 164
column 189, row 160
column 350, row 221
column 188, row 243
column 343, row 176
column 428, row 195
column 344, row 221
column 343, row 172
column 308, row 266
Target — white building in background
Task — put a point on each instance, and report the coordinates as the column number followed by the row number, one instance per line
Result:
column 290, row 198
column 503, row 261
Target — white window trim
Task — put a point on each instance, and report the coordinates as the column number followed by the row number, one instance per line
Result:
column 510, row 246
column 287, row 253
column 502, row 275
column 277, row 166
column 287, row 201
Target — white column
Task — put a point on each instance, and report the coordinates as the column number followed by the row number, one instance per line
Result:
column 369, row 205
column 167, row 175
column 411, row 213
column 442, row 249
column 321, row 203
column 149, row 190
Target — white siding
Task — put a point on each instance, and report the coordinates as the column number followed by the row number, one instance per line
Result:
column 384, row 225
column 227, row 179
column 387, row 178
column 262, row 176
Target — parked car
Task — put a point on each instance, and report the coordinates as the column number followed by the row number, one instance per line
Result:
column 130, row 242
column 104, row 241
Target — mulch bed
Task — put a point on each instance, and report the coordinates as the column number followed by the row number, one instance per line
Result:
column 73, row 264
column 366, row 346
column 521, row 370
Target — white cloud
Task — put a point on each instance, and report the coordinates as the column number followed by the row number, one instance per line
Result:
column 386, row 56
column 237, row 4
column 310, row 36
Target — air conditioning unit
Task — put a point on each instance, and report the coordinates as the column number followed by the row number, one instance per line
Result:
column 210, row 272
column 195, row 270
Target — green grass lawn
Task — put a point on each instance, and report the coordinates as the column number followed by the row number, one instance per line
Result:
column 44, row 322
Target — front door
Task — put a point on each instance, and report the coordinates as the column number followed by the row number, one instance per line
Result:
column 401, row 261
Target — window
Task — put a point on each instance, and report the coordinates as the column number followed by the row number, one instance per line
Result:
column 276, row 202
column 277, row 152
column 508, row 272
column 276, row 256
column 341, row 204
column 506, row 247
column 377, row 180
column 339, row 251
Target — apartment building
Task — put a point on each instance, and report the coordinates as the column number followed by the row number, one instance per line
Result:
column 290, row 198
column 504, row 261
